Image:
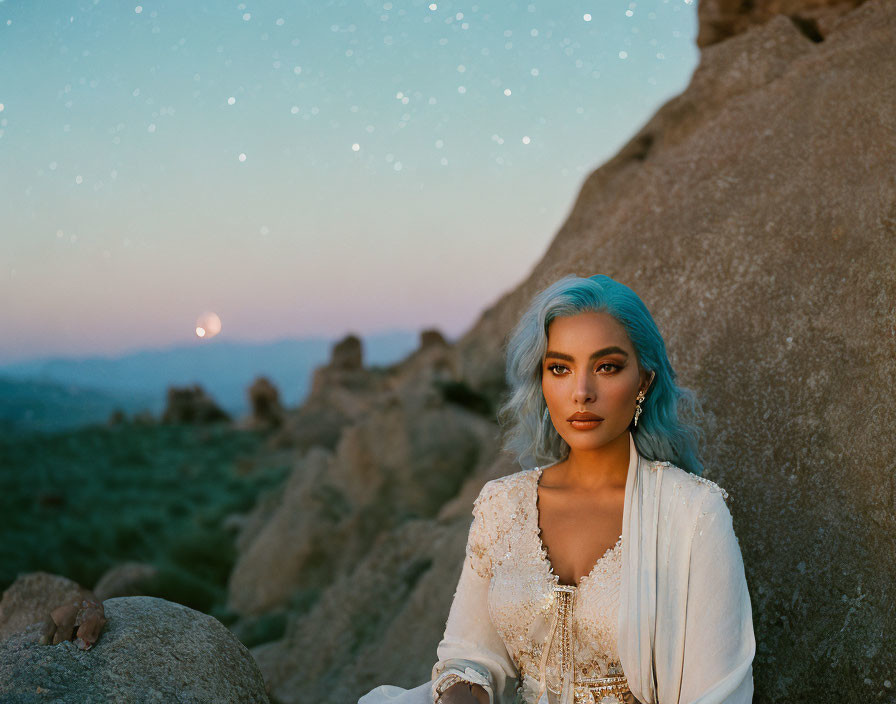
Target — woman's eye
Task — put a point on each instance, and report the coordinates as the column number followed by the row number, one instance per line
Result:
column 554, row 367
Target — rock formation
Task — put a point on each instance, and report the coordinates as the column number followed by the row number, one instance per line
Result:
column 755, row 214
column 721, row 19
column 151, row 650
column 404, row 458
column 379, row 622
column 341, row 391
column 264, row 401
column 192, row 405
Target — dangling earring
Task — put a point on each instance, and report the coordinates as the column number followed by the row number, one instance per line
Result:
column 638, row 409
column 641, row 396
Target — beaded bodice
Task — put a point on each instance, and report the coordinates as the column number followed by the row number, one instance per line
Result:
column 549, row 629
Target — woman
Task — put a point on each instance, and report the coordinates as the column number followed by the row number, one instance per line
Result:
column 663, row 615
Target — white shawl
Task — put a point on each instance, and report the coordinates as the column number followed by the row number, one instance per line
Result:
column 685, row 619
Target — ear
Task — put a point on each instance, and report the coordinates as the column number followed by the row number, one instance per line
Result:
column 646, row 386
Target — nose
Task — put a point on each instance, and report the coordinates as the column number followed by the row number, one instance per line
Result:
column 585, row 390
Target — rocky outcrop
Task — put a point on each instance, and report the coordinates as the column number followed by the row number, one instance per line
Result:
column 755, row 214
column 191, row 405
column 722, row 19
column 342, row 391
column 379, row 623
column 264, row 402
column 151, row 650
column 403, row 459
column 32, row 597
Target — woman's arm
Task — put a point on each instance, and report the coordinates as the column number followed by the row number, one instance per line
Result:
column 719, row 639
column 471, row 649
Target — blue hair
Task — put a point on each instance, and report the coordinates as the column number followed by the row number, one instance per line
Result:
column 661, row 433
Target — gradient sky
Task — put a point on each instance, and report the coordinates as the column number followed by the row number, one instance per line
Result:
column 301, row 168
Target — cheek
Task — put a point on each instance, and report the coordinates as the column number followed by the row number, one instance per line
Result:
column 618, row 394
column 552, row 393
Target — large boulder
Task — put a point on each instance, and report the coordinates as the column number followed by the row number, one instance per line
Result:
column 755, row 214
column 32, row 597
column 152, row 650
column 126, row 579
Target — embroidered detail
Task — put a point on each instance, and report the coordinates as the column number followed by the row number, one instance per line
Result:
column 505, row 547
column 448, row 673
column 712, row 485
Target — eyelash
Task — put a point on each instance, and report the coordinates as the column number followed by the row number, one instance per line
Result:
column 552, row 367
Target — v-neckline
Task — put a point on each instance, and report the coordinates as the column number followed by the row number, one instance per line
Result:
column 543, row 551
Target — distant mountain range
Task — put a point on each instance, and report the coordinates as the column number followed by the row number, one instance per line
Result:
column 56, row 394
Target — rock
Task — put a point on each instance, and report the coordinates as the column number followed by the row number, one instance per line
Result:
column 721, row 19
column 191, row 405
column 343, row 385
column 755, row 215
column 405, row 458
column 383, row 632
column 314, row 424
column 264, row 400
column 151, row 650
column 127, row 579
column 32, row 597
column 430, row 365
column 432, row 338
column 347, row 354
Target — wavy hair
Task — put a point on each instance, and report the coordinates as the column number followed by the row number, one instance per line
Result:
column 661, row 433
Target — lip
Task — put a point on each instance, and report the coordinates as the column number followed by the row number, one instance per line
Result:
column 584, row 416
column 585, row 424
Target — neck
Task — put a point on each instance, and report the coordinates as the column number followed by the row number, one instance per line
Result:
column 603, row 468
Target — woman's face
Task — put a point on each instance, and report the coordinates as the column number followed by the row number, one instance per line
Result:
column 590, row 365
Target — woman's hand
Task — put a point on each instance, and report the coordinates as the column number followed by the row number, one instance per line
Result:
column 463, row 693
column 85, row 615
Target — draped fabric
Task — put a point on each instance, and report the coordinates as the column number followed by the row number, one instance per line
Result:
column 664, row 616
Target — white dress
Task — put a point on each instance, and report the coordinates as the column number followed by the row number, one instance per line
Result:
column 620, row 634
column 512, row 622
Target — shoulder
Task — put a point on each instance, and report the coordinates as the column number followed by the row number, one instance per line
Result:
column 510, row 486
column 696, row 488
column 498, row 499
column 697, row 506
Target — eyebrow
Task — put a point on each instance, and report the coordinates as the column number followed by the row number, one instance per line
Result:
column 600, row 353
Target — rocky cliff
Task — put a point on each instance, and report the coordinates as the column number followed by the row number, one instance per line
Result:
column 756, row 216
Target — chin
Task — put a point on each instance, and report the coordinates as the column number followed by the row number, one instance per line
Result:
column 581, row 443
column 593, row 440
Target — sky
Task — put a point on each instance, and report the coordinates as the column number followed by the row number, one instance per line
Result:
column 301, row 168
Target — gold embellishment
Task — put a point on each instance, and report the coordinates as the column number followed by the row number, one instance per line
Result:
column 560, row 640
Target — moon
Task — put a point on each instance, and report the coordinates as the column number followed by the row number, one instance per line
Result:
column 208, row 325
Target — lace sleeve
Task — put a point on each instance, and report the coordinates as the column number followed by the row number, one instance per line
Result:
column 472, row 650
